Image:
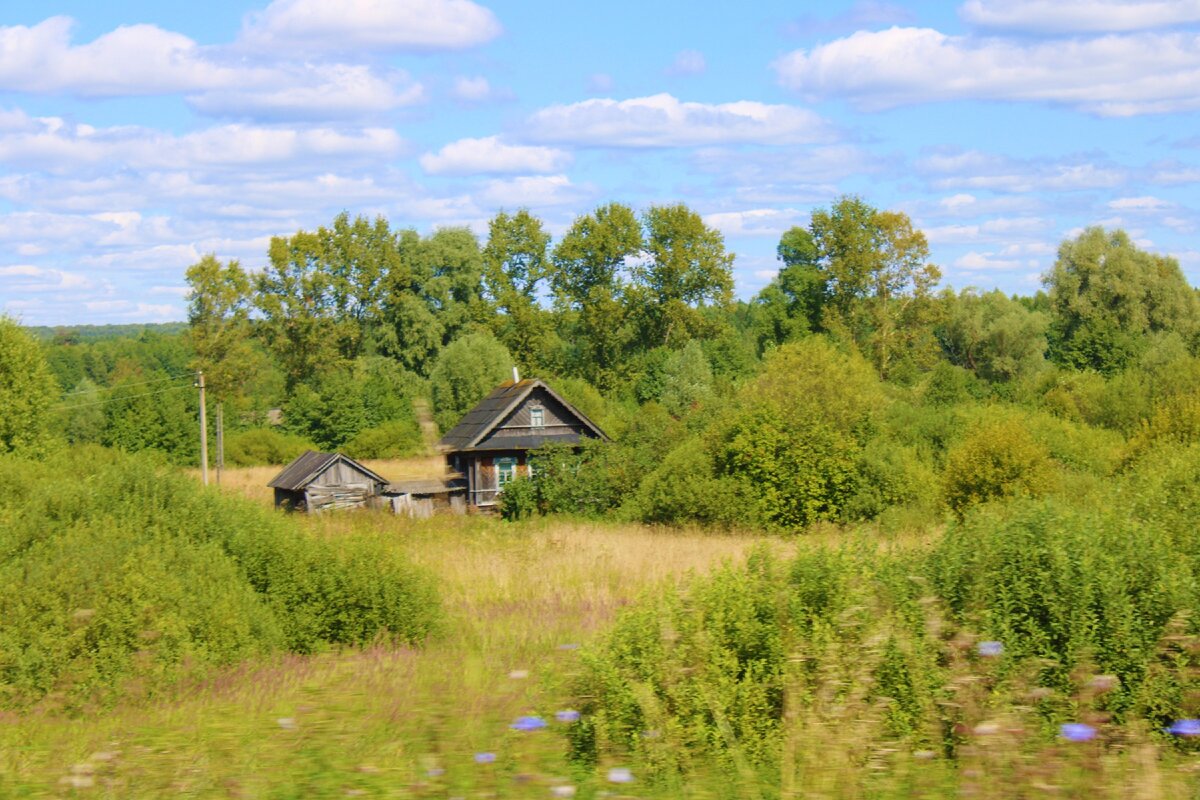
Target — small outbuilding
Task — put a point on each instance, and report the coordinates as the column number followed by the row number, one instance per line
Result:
column 422, row 497
column 322, row 481
column 489, row 446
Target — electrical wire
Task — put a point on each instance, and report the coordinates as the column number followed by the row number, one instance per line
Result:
column 135, row 383
column 72, row 406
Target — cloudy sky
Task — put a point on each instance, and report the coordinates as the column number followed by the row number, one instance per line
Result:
column 138, row 135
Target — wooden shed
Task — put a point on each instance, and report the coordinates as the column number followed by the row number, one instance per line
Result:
column 421, row 498
column 321, row 481
column 489, row 446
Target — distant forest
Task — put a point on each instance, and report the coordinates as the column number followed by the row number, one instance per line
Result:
column 850, row 388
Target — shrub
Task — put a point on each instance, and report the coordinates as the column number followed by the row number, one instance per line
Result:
column 263, row 446
column 394, row 439
column 144, row 574
column 519, row 500
column 998, row 460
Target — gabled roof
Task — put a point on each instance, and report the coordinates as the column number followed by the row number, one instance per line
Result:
column 308, row 465
column 491, row 411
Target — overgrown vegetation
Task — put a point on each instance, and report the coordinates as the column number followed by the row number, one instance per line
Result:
column 117, row 575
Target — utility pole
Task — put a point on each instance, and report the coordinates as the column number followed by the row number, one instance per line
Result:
column 203, row 430
column 220, row 440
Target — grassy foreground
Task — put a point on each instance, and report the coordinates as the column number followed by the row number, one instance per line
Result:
column 382, row 722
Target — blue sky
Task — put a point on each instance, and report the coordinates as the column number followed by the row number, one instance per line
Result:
column 136, row 136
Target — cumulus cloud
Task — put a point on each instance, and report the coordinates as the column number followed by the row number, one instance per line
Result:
column 663, row 121
column 532, row 192
column 58, row 145
column 973, row 169
column 978, row 262
column 387, row 25
column 1113, row 75
column 1079, row 16
column 30, row 278
column 999, row 229
column 42, row 59
column 770, row 222
column 492, row 156
column 1138, row 204
column 688, row 62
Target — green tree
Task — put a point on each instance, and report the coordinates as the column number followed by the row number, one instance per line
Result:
column 685, row 269
column 465, row 372
column 992, row 335
column 515, row 264
column 687, row 379
column 1106, row 295
column 219, row 324
column 998, row 460
column 28, row 392
column 878, row 280
column 589, row 282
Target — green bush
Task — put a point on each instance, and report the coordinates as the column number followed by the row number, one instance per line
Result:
column 997, row 460
column 519, row 500
column 142, row 574
column 394, row 439
column 260, row 446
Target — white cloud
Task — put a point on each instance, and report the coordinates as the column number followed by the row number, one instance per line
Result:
column 1114, row 75
column 59, row 146
column 42, row 59
column 756, row 221
column 972, row 169
column 1138, row 204
column 1079, row 16
column 353, row 25
column 29, row 278
column 472, row 90
column 664, row 121
column 491, row 156
column 532, row 192
column 1000, row 230
column 688, row 62
column 977, row 262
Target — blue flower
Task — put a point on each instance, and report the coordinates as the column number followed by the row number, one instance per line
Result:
column 990, row 649
column 1185, row 727
column 1077, row 732
column 567, row 715
column 485, row 758
column 528, row 724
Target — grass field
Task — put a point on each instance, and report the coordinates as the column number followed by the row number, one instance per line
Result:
column 520, row 601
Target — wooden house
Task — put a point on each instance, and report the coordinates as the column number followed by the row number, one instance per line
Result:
column 489, row 446
column 322, row 481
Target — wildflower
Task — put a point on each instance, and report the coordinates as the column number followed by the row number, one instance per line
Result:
column 1185, row 727
column 1077, row 732
column 485, row 758
column 568, row 646
column 435, row 772
column 987, row 728
column 1104, row 683
column 287, row 723
column 519, row 674
column 567, row 715
column 566, row 790
column 529, row 723
column 620, row 775
column 990, row 649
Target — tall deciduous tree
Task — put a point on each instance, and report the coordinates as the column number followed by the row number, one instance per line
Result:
column 218, row 316
column 686, row 268
column 27, row 393
column 589, row 282
column 991, row 334
column 1106, row 295
column 878, row 278
column 515, row 264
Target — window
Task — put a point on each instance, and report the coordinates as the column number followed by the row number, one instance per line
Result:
column 537, row 417
column 506, row 471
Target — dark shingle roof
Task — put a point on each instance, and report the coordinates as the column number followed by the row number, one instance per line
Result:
column 310, row 464
column 491, row 410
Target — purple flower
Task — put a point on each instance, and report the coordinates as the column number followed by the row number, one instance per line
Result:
column 1185, row 727
column 528, row 724
column 990, row 649
column 567, row 715
column 620, row 775
column 1077, row 732
column 485, row 758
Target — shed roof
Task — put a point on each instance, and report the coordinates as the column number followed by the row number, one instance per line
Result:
column 308, row 465
column 491, row 411
column 427, row 486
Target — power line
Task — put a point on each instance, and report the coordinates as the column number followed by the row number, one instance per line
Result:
column 118, row 399
column 135, row 383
